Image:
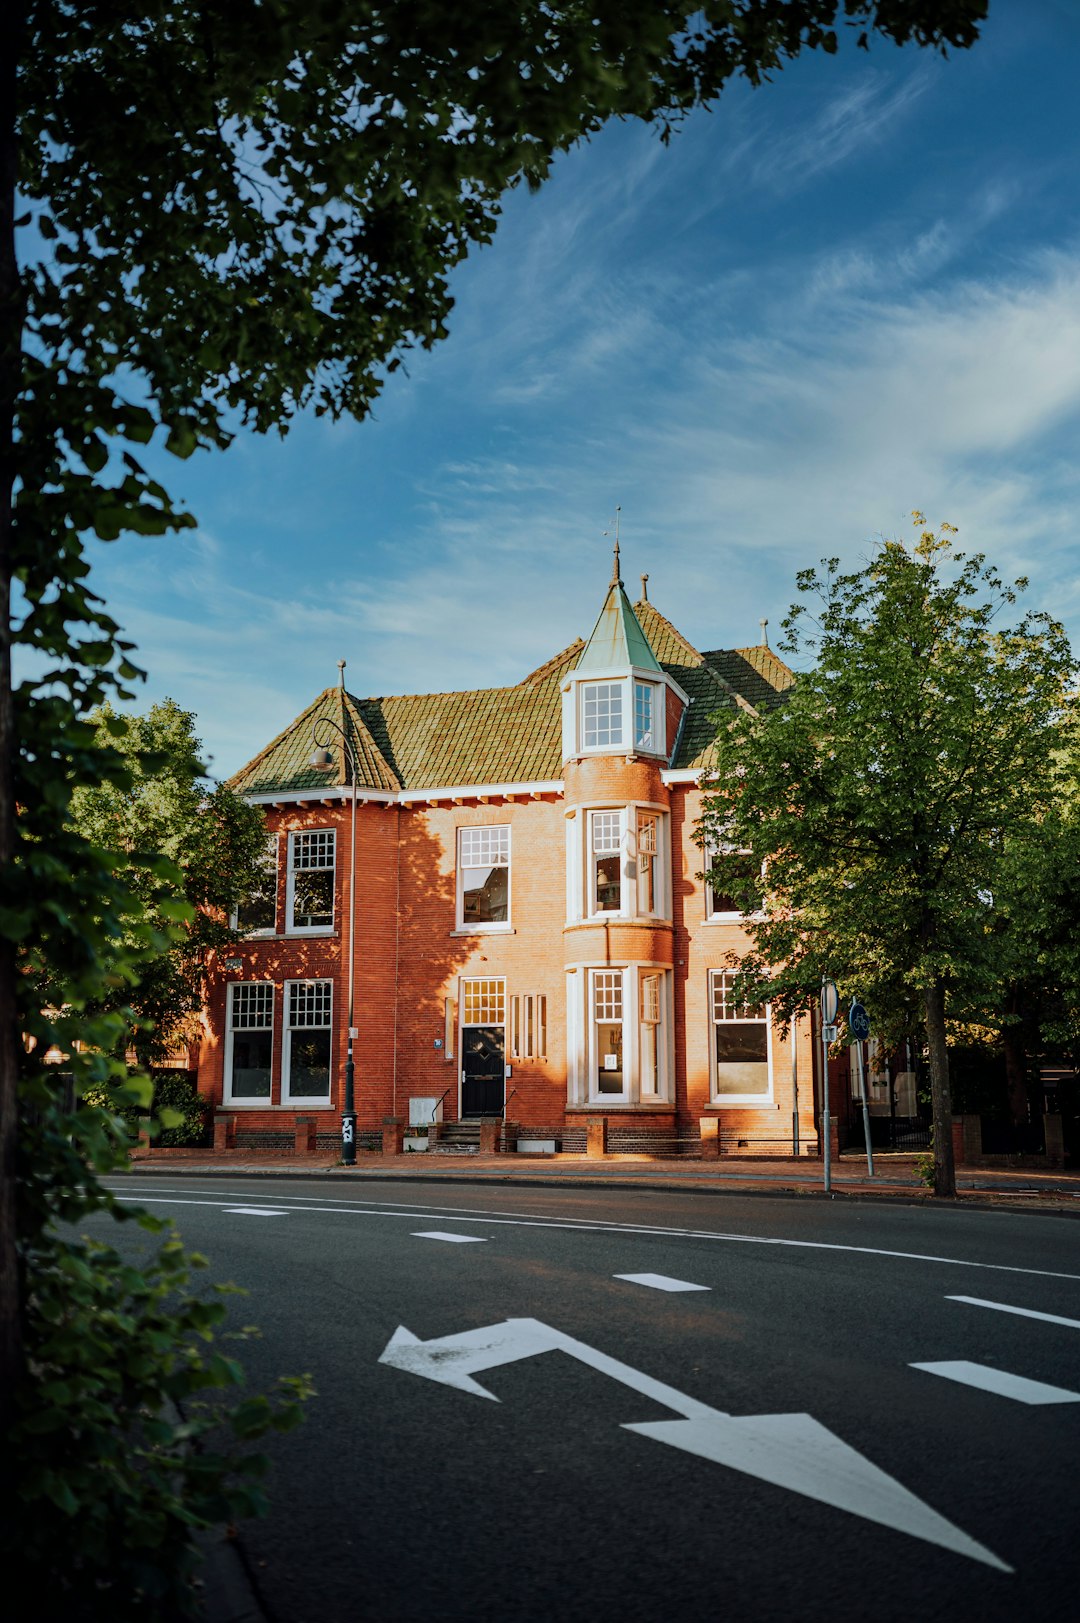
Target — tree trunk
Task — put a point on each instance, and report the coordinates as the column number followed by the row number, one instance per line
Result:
column 1012, row 1041
column 11, row 320
column 944, row 1166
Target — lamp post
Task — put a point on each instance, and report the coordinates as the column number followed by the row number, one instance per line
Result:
column 830, row 1002
column 323, row 761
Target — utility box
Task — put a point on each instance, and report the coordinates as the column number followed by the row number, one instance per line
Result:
column 420, row 1111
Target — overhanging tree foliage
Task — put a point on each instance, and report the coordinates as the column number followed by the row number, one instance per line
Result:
column 923, row 744
column 230, row 212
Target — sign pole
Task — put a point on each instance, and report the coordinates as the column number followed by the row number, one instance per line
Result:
column 865, row 1110
column 829, row 1003
column 794, row 1092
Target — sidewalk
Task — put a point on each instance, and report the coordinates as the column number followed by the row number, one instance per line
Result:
column 895, row 1176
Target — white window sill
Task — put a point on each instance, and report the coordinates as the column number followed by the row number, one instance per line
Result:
column 743, row 1101
column 306, row 1104
column 265, row 1104
column 484, row 929
column 306, row 934
column 724, row 918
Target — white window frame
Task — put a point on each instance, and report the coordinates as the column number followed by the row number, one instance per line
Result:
column 295, row 835
column 271, row 860
column 742, row 1100
column 480, row 927
column 245, row 1101
column 650, row 743
column 591, row 854
column 722, row 916
column 311, row 1101
column 612, row 744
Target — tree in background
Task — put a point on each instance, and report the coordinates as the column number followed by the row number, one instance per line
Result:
column 922, row 746
column 190, row 852
column 230, row 214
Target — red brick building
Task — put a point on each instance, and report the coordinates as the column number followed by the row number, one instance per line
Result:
column 534, row 940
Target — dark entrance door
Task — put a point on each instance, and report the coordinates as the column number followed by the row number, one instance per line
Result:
column 482, row 1065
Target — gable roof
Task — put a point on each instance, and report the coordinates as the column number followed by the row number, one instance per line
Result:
column 506, row 734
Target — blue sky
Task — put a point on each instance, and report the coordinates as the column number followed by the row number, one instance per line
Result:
column 851, row 293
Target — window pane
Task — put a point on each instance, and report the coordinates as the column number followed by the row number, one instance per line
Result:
column 313, row 900
column 312, row 862
column 646, row 862
column 249, row 1076
column 606, row 830
column 602, row 714
column 309, row 1064
column 643, row 715
column 485, row 1003
column 741, row 1057
column 259, row 910
column 484, row 895
column 609, row 1051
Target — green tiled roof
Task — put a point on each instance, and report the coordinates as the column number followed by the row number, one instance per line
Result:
column 617, row 640
column 501, row 735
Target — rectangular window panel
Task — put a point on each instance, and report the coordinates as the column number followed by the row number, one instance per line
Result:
column 606, row 831
column 602, row 714
column 741, row 1040
column 312, row 880
column 309, row 1039
column 251, row 1019
column 607, row 1013
column 650, row 1035
column 646, row 862
column 541, row 1026
column 644, row 703
column 485, row 1003
column 484, row 860
column 258, row 914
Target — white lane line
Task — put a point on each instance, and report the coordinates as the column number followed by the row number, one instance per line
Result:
column 1000, row 1382
column 661, row 1282
column 1024, row 1312
column 454, row 1239
column 257, row 1211
column 477, row 1214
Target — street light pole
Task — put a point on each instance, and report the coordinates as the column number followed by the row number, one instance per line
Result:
column 322, row 761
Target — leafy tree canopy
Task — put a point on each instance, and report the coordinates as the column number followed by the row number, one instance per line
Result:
column 189, row 852
column 924, row 740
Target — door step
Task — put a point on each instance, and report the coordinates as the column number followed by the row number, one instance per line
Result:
column 458, row 1138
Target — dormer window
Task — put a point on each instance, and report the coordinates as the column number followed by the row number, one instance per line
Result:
column 602, row 714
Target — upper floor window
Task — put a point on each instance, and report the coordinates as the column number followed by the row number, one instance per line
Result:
column 728, row 870
column 483, row 876
column 605, row 861
column 645, row 694
column 740, row 1044
column 257, row 915
column 310, row 904
column 602, row 715
column 648, row 872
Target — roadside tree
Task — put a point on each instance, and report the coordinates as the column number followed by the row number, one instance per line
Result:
column 921, row 745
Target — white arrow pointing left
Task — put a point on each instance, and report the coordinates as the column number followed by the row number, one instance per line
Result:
column 791, row 1451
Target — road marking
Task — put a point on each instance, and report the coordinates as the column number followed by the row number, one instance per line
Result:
column 661, row 1282
column 520, row 1220
column 1024, row 1312
column 454, row 1239
column 1000, row 1382
column 257, row 1211
column 791, row 1451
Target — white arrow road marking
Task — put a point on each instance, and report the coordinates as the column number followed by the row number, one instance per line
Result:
column 1000, row 1382
column 257, row 1211
column 661, row 1282
column 454, row 1239
column 1025, row 1312
column 790, row 1451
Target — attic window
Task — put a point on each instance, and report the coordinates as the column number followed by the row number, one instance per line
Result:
column 602, row 706
column 645, row 716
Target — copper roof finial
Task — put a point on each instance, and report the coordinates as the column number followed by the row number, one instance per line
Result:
column 341, row 672
column 644, row 588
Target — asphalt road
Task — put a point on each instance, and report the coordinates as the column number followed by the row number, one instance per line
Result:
column 910, row 1492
